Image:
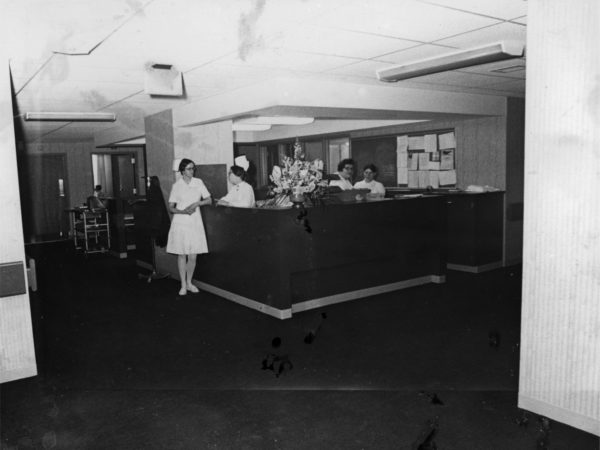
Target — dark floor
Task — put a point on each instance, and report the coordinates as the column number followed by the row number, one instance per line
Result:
column 129, row 365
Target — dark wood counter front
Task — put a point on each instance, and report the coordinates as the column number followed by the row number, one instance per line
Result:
column 268, row 260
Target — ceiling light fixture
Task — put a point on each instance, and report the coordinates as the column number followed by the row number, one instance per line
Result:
column 71, row 116
column 277, row 120
column 249, row 127
column 466, row 58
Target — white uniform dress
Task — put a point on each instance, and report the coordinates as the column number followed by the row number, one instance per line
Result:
column 187, row 235
column 343, row 183
column 241, row 196
column 375, row 186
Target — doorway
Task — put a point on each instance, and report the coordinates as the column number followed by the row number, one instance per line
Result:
column 116, row 173
column 46, row 197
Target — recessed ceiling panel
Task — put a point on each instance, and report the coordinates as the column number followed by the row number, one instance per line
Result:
column 510, row 68
column 453, row 78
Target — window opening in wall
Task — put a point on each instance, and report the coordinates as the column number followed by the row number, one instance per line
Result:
column 337, row 149
column 116, row 173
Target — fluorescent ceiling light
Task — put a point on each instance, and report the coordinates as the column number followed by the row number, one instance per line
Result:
column 277, row 120
column 249, row 127
column 71, row 116
column 466, row 58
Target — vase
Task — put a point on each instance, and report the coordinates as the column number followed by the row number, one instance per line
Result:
column 297, row 199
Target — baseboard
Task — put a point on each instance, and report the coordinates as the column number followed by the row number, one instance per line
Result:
column 475, row 269
column 579, row 421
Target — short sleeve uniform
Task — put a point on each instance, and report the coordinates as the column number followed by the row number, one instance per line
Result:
column 241, row 196
column 375, row 186
column 187, row 235
column 343, row 183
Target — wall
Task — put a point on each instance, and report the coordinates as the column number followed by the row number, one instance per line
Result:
column 159, row 158
column 560, row 329
column 17, row 355
column 481, row 149
column 80, row 180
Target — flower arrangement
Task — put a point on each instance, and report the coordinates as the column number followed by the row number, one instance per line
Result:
column 298, row 179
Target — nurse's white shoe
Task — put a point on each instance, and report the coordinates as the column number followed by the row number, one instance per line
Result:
column 182, row 291
column 193, row 289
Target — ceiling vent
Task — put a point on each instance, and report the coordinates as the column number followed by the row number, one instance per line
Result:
column 163, row 79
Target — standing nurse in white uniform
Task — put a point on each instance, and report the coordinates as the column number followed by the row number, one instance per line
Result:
column 187, row 238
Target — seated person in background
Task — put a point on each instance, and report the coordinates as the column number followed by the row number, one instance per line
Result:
column 343, row 177
column 94, row 201
column 241, row 194
column 370, row 172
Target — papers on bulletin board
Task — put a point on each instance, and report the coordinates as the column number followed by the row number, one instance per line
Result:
column 401, row 143
column 413, row 179
column 423, row 178
column 447, row 140
column 430, row 143
column 423, row 161
column 447, row 160
column 434, row 179
column 447, row 177
column 416, row 142
column 413, row 162
column 402, row 175
column 401, row 158
column 434, row 165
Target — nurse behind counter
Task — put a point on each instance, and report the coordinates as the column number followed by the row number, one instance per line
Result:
column 241, row 194
column 369, row 173
column 343, row 177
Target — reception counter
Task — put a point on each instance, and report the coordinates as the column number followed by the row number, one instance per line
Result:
column 278, row 262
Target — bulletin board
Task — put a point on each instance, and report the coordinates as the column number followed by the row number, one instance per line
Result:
column 429, row 158
column 380, row 151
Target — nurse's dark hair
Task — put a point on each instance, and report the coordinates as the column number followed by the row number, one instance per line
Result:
column 184, row 163
column 371, row 167
column 344, row 162
column 238, row 172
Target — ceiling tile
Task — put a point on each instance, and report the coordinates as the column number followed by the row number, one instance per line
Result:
column 506, row 9
column 416, row 53
column 288, row 59
column 501, row 32
column 339, row 42
column 404, row 19
column 361, row 69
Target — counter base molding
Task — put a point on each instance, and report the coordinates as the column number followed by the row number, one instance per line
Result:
column 253, row 304
column 268, row 260
column 362, row 293
column 475, row 269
